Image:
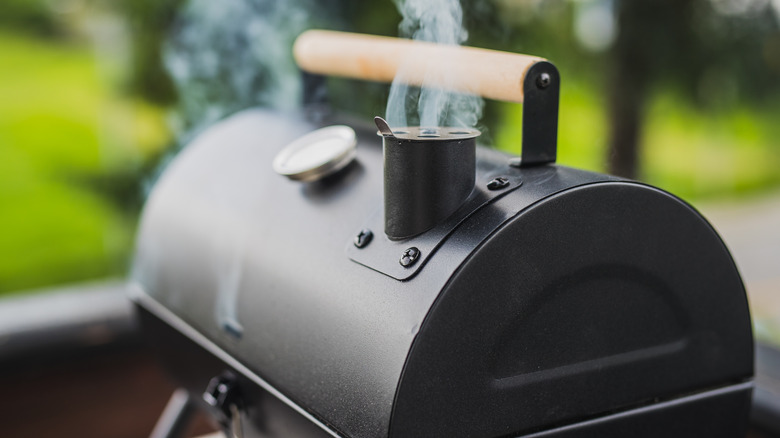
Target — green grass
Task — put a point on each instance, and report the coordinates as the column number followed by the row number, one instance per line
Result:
column 715, row 154
column 691, row 153
column 582, row 128
column 60, row 127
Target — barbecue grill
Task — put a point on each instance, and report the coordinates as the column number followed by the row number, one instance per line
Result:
column 318, row 276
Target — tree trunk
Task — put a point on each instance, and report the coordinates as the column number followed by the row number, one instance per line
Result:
column 629, row 75
column 626, row 104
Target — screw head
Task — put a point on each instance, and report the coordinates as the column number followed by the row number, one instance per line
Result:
column 498, row 183
column 363, row 238
column 544, row 80
column 220, row 391
column 409, row 257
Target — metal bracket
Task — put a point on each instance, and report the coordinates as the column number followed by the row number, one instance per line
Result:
column 177, row 416
column 387, row 256
column 222, row 395
column 541, row 90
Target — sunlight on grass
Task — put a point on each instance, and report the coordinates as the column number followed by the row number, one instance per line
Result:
column 582, row 135
column 60, row 128
column 699, row 155
column 690, row 153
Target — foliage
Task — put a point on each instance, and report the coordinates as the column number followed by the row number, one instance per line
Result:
column 66, row 161
column 31, row 16
column 149, row 23
column 75, row 152
column 693, row 154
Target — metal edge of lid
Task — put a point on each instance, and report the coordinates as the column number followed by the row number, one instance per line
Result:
column 423, row 133
column 329, row 166
column 138, row 295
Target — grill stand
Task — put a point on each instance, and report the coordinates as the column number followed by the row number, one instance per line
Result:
column 176, row 417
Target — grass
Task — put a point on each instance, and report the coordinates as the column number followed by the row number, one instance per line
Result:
column 61, row 127
column 717, row 154
column 693, row 154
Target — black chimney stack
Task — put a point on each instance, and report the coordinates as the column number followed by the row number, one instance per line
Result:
column 428, row 174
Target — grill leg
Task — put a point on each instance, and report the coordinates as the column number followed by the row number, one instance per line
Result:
column 176, row 417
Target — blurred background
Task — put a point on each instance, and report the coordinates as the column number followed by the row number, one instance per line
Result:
column 96, row 96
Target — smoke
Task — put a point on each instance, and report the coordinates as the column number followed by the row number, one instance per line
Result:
column 228, row 55
column 225, row 56
column 439, row 21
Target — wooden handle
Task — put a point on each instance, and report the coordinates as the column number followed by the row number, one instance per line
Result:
column 488, row 73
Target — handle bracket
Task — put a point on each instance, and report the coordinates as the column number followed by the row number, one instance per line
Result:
column 541, row 87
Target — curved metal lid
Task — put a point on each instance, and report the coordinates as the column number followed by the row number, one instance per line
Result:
column 317, row 154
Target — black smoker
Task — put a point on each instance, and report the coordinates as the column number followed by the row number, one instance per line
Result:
column 492, row 296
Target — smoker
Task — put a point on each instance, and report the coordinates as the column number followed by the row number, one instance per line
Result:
column 323, row 277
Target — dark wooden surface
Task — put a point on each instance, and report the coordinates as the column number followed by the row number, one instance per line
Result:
column 117, row 394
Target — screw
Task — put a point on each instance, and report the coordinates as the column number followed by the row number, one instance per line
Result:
column 363, row 238
column 221, row 391
column 409, row 257
column 498, row 183
column 544, row 80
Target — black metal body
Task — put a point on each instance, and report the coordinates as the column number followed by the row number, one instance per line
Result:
column 563, row 304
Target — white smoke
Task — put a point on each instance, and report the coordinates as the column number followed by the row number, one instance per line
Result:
column 225, row 56
column 439, row 21
column 228, row 55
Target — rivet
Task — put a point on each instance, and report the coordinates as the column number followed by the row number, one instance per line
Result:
column 544, row 80
column 363, row 238
column 498, row 183
column 409, row 257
